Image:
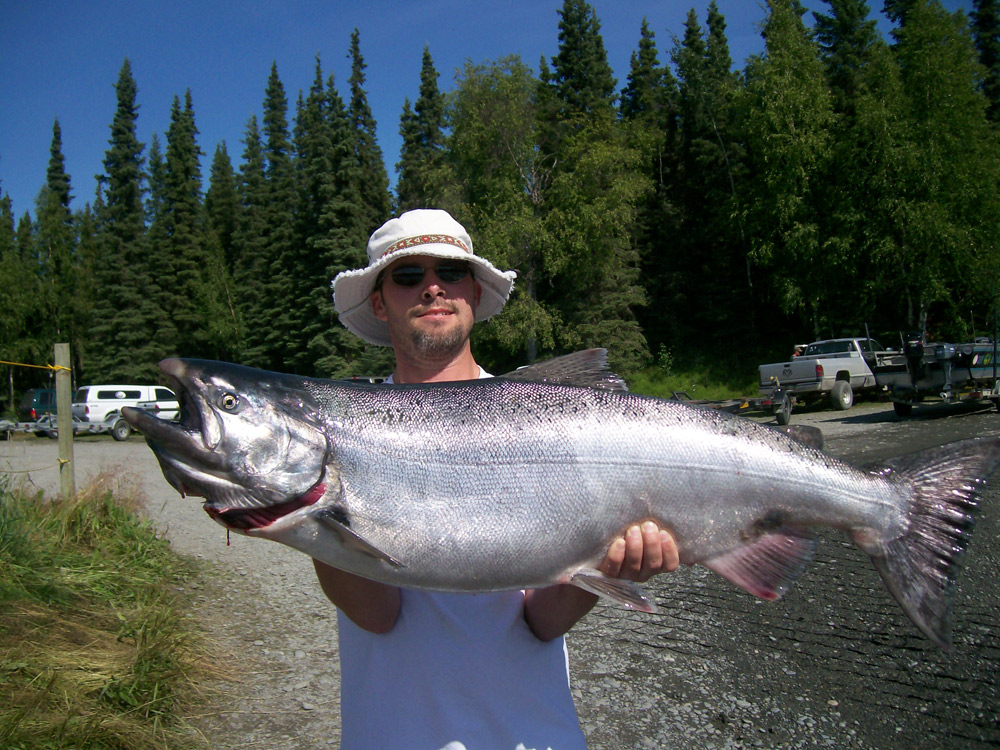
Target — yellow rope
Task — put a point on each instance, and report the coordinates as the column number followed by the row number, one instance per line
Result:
column 38, row 367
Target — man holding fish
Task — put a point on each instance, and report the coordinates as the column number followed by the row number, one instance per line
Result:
column 443, row 669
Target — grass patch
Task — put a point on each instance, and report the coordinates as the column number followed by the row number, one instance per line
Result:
column 95, row 649
column 699, row 384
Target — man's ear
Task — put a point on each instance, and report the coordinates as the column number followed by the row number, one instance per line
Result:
column 477, row 294
column 378, row 304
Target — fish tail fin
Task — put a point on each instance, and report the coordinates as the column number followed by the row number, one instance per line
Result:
column 920, row 566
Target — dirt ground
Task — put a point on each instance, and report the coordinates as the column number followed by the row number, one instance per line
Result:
column 834, row 664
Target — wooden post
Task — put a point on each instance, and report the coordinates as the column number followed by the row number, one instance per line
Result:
column 64, row 421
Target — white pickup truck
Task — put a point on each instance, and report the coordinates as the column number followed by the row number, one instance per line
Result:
column 835, row 367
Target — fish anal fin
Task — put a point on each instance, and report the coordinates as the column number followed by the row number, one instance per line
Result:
column 625, row 593
column 337, row 523
column 768, row 565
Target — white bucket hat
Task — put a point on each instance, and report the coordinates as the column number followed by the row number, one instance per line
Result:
column 423, row 231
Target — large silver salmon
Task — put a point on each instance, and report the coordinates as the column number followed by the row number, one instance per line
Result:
column 523, row 480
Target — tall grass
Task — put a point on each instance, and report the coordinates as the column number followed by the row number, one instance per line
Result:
column 95, row 648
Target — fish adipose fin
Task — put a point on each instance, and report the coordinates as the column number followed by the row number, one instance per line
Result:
column 625, row 593
column 586, row 369
column 769, row 565
column 920, row 567
column 337, row 522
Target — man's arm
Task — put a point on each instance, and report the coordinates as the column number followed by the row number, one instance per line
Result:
column 370, row 605
column 639, row 555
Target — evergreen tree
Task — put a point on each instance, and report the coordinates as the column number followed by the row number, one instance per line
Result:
column 222, row 203
column 189, row 255
column 277, row 323
column 845, row 39
column 649, row 109
column 423, row 180
column 582, row 77
column 251, row 262
column 986, row 31
column 700, row 268
column 55, row 253
column 373, row 183
column 644, row 95
column 590, row 207
column 18, row 302
column 119, row 331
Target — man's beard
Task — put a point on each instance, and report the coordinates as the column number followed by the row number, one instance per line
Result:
column 434, row 345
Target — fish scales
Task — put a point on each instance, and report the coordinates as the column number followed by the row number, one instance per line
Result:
column 524, row 480
column 578, row 466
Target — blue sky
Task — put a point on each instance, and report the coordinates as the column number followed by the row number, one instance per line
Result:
column 60, row 60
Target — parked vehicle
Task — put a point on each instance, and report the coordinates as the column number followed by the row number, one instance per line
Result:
column 103, row 403
column 36, row 403
column 168, row 409
column 837, row 368
column 946, row 372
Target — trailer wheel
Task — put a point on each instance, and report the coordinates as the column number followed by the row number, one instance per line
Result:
column 842, row 395
column 903, row 411
column 120, row 430
column 784, row 413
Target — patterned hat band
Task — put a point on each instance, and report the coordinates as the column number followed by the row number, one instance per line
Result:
column 425, row 239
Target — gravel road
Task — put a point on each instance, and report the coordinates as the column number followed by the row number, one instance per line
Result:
column 834, row 664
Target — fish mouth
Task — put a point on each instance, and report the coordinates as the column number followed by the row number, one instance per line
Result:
column 247, row 519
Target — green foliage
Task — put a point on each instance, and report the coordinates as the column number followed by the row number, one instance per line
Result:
column 837, row 180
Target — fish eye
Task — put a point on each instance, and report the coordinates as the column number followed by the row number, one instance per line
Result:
column 229, row 401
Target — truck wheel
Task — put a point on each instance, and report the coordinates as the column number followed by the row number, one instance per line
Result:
column 120, row 430
column 842, row 395
column 903, row 411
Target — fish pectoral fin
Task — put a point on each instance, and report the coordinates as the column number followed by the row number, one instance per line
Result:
column 352, row 540
column 625, row 593
column 769, row 565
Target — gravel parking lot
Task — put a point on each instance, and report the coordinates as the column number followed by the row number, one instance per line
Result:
column 836, row 663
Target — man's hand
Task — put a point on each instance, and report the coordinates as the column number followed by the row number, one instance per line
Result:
column 643, row 552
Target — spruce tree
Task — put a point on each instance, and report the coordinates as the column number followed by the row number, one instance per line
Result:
column 986, row 31
column 281, row 287
column 590, row 207
column 374, row 198
column 55, row 251
column 249, row 269
column 845, row 38
column 222, row 202
column 190, row 293
column 119, row 331
column 423, row 180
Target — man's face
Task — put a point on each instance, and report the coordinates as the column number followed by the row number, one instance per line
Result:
column 428, row 316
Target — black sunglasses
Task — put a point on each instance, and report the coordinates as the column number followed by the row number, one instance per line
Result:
column 448, row 272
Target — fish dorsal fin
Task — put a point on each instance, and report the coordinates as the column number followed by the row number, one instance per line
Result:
column 587, row 369
column 767, row 566
column 805, row 434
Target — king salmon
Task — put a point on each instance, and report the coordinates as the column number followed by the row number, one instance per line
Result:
column 524, row 480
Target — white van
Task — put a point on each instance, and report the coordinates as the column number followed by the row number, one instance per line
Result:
column 99, row 403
